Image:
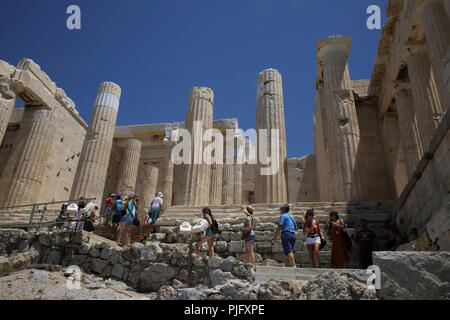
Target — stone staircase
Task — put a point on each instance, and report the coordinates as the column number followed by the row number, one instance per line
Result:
column 266, row 273
column 21, row 218
column 266, row 217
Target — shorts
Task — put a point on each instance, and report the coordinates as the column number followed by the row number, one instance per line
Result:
column 312, row 240
column 288, row 241
column 116, row 218
column 252, row 239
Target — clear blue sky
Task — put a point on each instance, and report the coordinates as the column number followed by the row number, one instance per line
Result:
column 157, row 50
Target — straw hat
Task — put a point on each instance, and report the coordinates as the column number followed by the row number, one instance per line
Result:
column 248, row 210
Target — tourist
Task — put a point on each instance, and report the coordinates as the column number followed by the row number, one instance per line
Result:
column 155, row 207
column 287, row 227
column 126, row 224
column 248, row 235
column 208, row 235
column 336, row 228
column 367, row 241
column 395, row 239
column 81, row 203
column 61, row 221
column 314, row 237
column 109, row 202
column 117, row 210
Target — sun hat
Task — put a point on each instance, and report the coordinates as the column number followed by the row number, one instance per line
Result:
column 248, row 210
column 160, row 194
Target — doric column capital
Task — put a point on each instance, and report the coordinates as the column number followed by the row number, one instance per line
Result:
column 334, row 43
column 202, row 93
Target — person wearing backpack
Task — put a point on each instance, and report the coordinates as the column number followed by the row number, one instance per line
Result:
column 117, row 210
column 248, row 235
column 128, row 221
column 209, row 232
column 287, row 227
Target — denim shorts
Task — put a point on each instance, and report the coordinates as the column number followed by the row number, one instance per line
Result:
column 288, row 242
column 252, row 239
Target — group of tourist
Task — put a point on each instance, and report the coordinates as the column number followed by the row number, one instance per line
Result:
column 119, row 213
column 335, row 228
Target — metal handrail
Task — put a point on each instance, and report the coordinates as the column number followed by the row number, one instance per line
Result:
column 35, row 206
column 46, row 203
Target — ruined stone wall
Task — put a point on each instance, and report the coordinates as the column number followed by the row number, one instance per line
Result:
column 371, row 157
column 64, row 153
column 302, row 179
column 424, row 206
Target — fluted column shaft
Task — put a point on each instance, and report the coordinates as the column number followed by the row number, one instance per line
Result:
column 238, row 197
column 216, row 184
column 92, row 168
column 29, row 172
column 130, row 166
column 409, row 132
column 436, row 24
column 342, row 120
column 424, row 92
column 7, row 101
column 228, row 184
column 270, row 115
column 195, row 177
column 168, row 180
column 149, row 181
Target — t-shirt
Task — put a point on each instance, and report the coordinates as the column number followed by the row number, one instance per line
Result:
column 365, row 240
column 287, row 223
column 118, row 207
column 157, row 202
column 246, row 224
column 109, row 202
column 208, row 231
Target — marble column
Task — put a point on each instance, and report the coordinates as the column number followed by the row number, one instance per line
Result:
column 238, row 196
column 424, row 92
column 129, row 166
column 342, row 119
column 270, row 115
column 167, row 177
column 7, row 101
column 149, row 181
column 195, row 177
column 29, row 173
column 394, row 153
column 409, row 131
column 216, row 184
column 228, row 184
column 92, row 168
column 436, row 24
column 321, row 145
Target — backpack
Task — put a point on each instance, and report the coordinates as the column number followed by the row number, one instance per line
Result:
column 214, row 226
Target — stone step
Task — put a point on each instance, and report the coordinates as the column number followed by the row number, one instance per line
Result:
column 266, row 273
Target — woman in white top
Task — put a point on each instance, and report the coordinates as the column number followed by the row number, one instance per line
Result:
column 156, row 207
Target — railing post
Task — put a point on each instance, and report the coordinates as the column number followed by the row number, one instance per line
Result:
column 31, row 217
column 42, row 218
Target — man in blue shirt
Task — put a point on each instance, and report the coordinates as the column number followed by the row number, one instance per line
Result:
column 287, row 227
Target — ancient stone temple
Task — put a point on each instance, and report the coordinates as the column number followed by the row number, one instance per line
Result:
column 380, row 139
